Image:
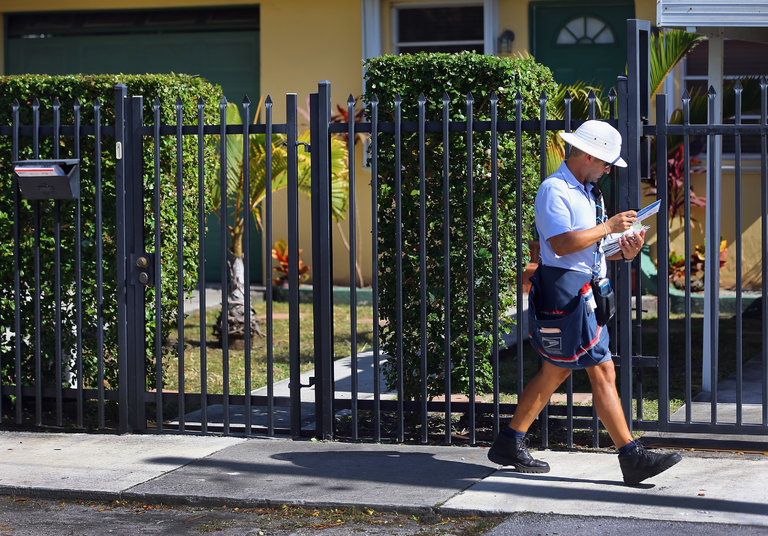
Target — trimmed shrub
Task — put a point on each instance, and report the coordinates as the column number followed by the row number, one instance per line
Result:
column 456, row 75
column 86, row 90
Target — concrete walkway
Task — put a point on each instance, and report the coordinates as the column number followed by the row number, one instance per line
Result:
column 206, row 470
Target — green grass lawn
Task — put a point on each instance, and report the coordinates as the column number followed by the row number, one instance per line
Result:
column 214, row 365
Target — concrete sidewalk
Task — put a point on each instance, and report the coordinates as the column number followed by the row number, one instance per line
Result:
column 704, row 487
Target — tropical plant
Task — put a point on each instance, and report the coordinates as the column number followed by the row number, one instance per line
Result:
column 238, row 205
column 579, row 98
column 280, row 254
column 677, row 273
column 676, row 185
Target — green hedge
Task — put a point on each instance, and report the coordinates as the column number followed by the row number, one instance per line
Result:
column 87, row 89
column 457, row 75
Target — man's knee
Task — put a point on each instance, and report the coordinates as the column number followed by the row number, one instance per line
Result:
column 603, row 373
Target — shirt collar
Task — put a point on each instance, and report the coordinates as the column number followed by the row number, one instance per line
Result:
column 571, row 181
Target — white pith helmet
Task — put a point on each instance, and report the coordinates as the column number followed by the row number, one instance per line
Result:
column 597, row 139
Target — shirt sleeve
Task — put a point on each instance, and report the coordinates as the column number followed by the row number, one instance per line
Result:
column 553, row 211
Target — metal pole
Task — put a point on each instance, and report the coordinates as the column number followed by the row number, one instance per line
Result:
column 293, row 266
column 662, row 251
column 121, row 91
column 321, row 255
column 634, row 104
column 134, row 243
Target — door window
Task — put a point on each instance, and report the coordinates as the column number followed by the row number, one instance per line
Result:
column 585, row 31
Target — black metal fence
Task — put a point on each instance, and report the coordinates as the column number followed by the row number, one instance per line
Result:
column 47, row 382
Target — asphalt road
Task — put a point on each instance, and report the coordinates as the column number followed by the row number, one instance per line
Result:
column 49, row 517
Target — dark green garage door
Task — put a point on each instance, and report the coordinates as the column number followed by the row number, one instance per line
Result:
column 581, row 41
column 220, row 45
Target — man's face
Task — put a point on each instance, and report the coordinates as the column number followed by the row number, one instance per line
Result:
column 597, row 169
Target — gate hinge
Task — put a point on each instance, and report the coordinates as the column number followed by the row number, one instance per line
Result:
column 310, row 384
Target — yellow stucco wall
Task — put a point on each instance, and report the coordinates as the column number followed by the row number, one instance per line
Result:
column 304, row 42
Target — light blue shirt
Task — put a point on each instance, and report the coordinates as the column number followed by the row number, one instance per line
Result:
column 563, row 205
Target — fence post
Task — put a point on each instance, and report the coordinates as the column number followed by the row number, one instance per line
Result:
column 322, row 292
column 634, row 100
column 293, row 267
column 122, row 332
column 130, row 244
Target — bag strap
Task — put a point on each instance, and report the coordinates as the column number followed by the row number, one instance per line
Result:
column 597, row 193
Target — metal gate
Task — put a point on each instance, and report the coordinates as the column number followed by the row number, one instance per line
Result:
column 41, row 371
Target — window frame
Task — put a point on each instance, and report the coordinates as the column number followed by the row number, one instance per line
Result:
column 490, row 24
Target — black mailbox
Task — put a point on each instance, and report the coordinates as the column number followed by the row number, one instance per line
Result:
column 48, row 179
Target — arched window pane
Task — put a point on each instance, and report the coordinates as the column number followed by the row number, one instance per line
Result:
column 576, row 27
column 565, row 38
column 585, row 31
column 605, row 37
column 593, row 26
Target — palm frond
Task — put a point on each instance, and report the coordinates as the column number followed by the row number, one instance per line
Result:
column 667, row 49
column 580, row 95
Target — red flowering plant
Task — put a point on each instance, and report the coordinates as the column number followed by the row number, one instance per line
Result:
column 676, row 193
column 280, row 253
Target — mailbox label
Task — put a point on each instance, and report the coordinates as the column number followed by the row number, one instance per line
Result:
column 41, row 171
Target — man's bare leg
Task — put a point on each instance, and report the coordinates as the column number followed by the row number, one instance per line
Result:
column 607, row 402
column 536, row 395
column 509, row 447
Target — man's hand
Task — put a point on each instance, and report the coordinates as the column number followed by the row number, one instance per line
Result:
column 621, row 221
column 631, row 243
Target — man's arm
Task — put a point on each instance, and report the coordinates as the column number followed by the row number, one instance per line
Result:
column 573, row 241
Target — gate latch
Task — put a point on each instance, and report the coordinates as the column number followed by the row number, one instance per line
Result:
column 143, row 269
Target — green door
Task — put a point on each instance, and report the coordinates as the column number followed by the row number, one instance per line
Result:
column 581, row 41
column 228, row 57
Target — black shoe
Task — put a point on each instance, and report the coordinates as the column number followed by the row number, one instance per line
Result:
column 639, row 464
column 512, row 451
